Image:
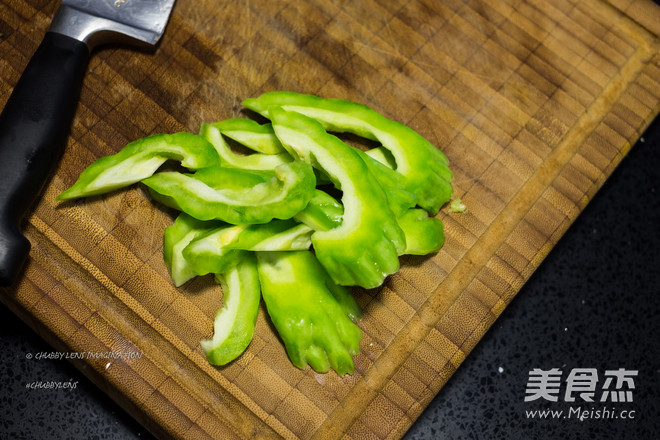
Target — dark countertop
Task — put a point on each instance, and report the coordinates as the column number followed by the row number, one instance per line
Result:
column 593, row 304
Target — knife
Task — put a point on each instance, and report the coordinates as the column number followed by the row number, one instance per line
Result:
column 36, row 121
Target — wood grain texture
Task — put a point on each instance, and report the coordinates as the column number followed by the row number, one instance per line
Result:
column 534, row 103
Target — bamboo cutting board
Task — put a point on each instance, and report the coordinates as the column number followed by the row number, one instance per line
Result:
column 533, row 102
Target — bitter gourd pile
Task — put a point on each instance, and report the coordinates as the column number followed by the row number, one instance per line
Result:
column 297, row 221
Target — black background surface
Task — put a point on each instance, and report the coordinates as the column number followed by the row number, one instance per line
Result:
column 593, row 303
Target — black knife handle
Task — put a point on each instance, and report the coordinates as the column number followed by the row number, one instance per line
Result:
column 34, row 128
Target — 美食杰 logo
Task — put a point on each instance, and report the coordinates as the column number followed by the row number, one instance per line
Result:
column 591, row 394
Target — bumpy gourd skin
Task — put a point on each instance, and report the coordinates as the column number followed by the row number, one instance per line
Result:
column 139, row 160
column 281, row 196
column 323, row 212
column 392, row 182
column 312, row 315
column 422, row 164
column 364, row 249
column 424, row 234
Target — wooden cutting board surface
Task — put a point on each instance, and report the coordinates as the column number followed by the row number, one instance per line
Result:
column 533, row 102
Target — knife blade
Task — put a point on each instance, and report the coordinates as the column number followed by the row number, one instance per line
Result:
column 36, row 121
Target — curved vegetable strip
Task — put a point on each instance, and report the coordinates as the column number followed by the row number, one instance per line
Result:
column 139, row 160
column 177, row 236
column 251, row 134
column 423, row 165
column 228, row 158
column 364, row 249
column 219, row 178
column 234, row 323
column 314, row 325
column 234, row 179
column 218, row 249
column 281, row 196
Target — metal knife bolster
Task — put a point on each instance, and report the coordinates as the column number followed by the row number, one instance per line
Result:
column 94, row 30
column 35, row 123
